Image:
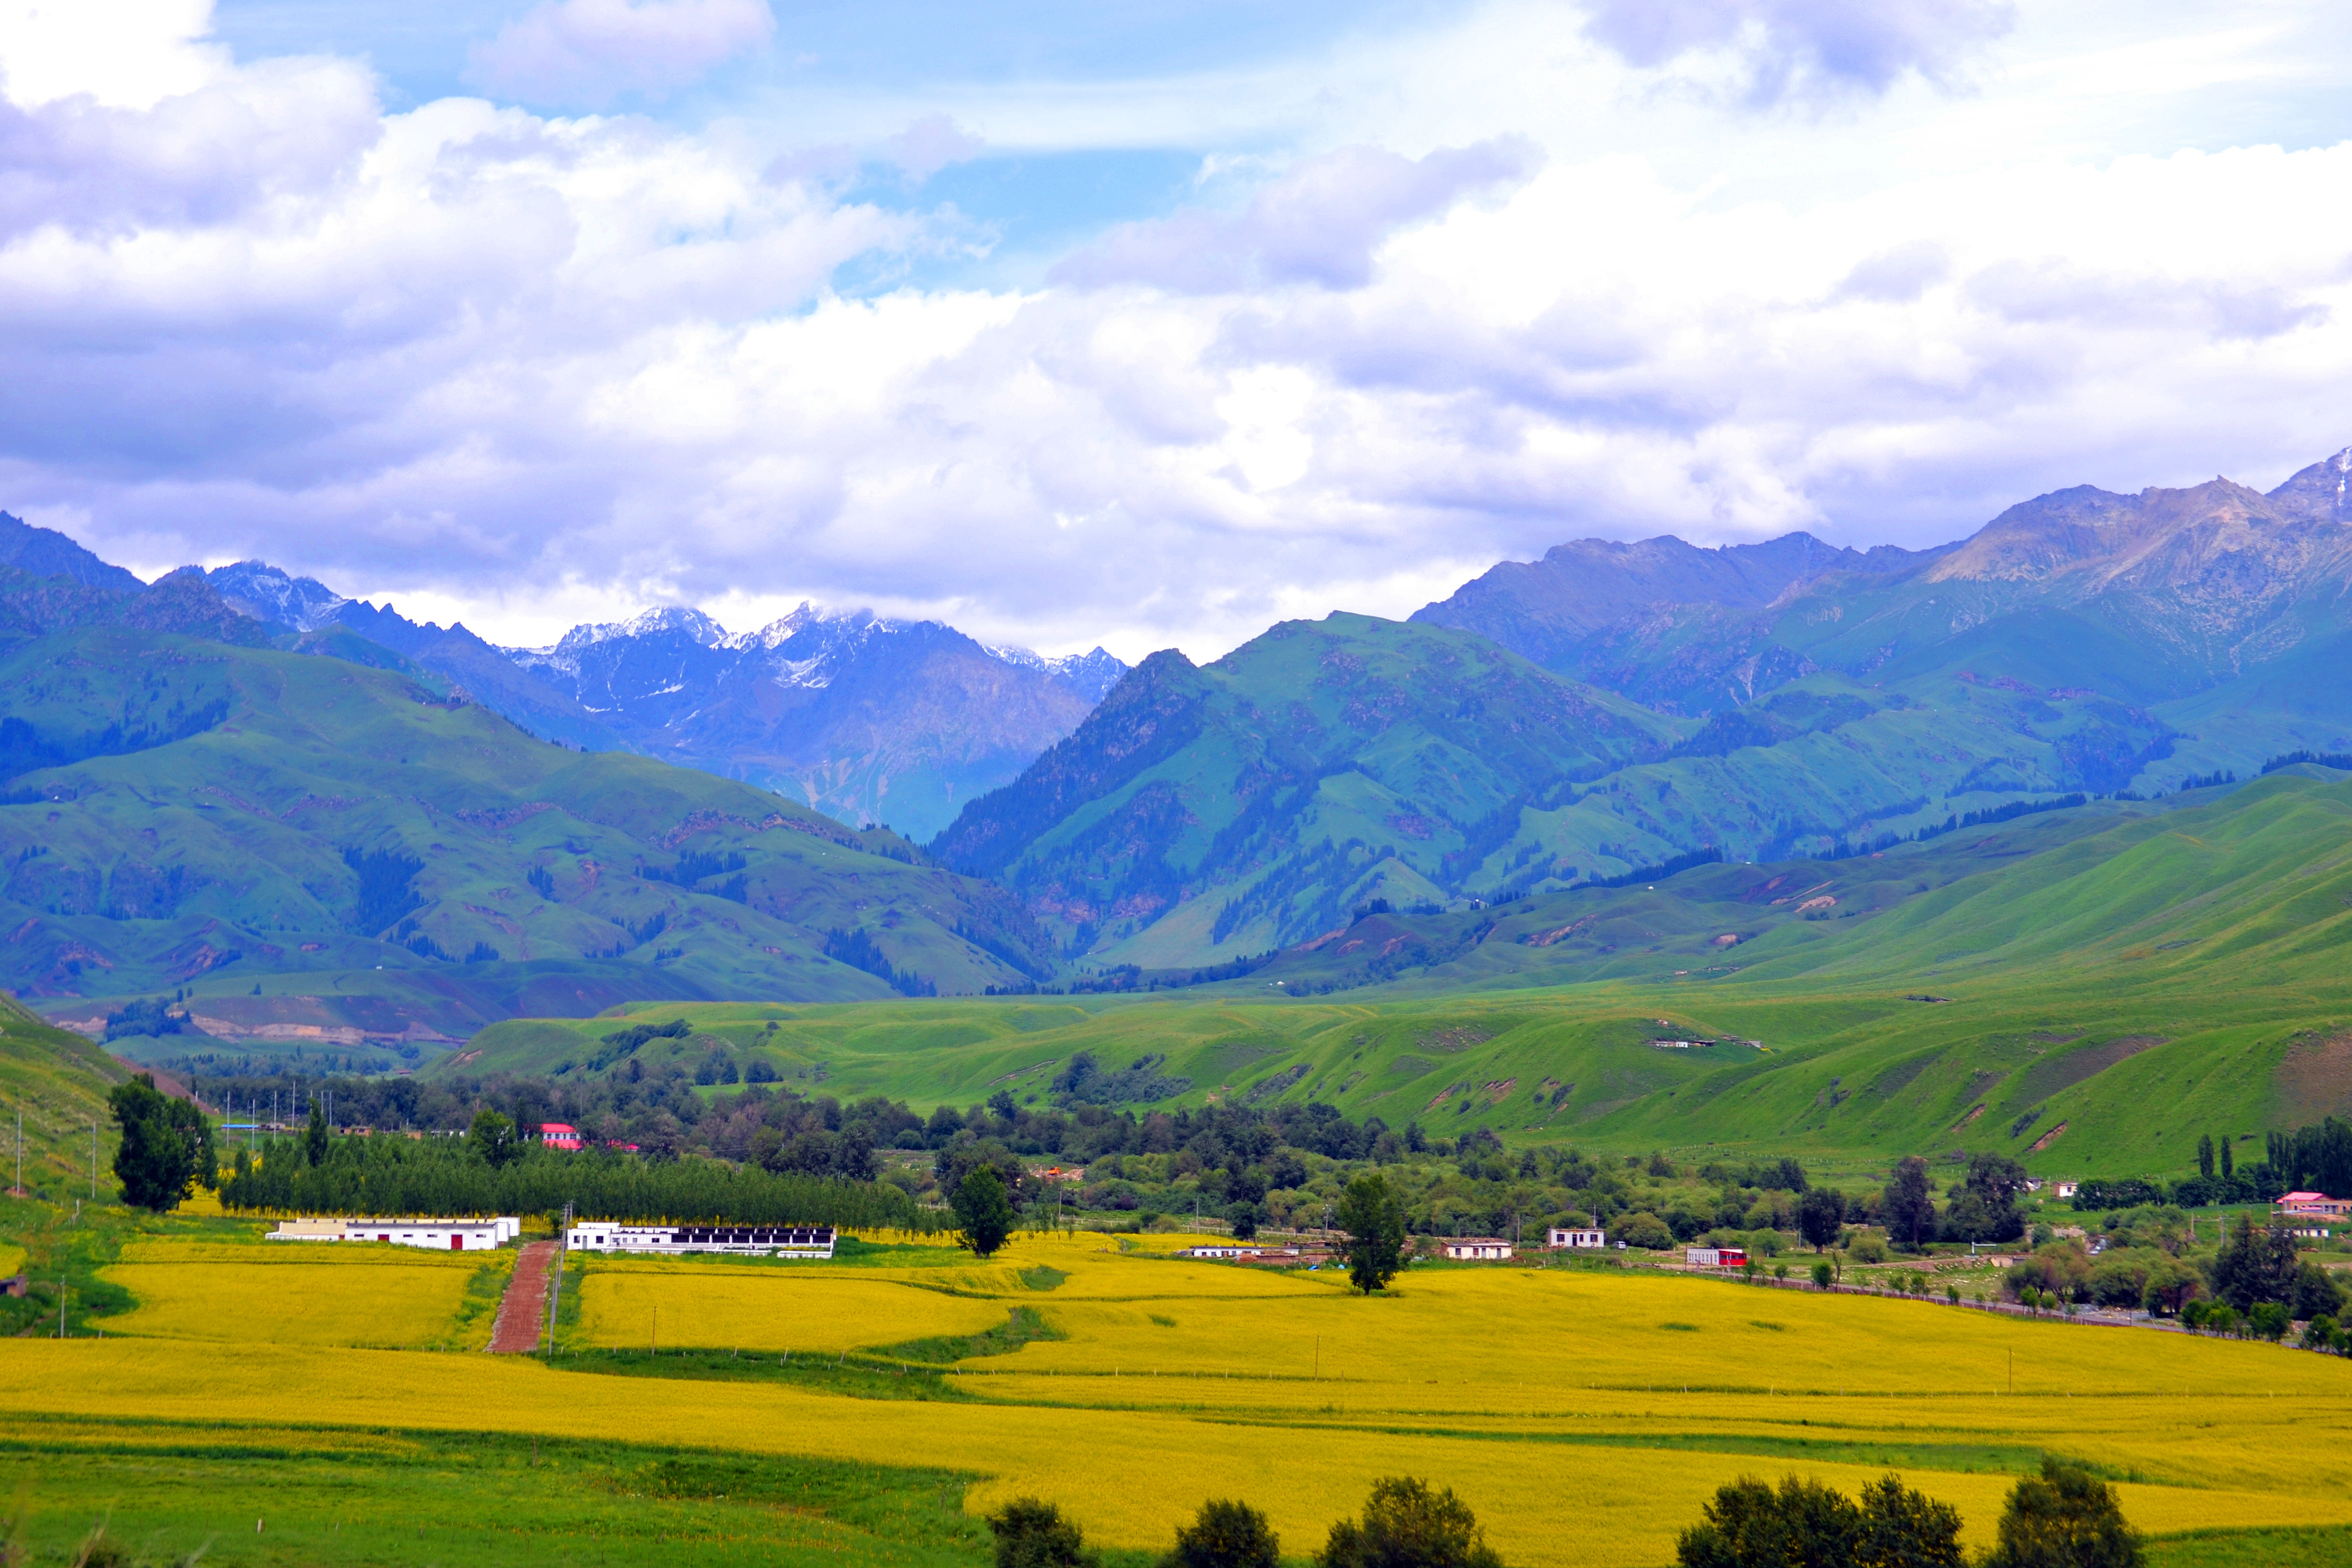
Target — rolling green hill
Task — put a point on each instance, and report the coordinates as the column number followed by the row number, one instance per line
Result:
column 2086, row 990
column 315, row 851
column 59, row 1081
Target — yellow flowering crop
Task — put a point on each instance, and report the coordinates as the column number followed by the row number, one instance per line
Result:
column 642, row 1304
column 275, row 1301
column 1585, row 1414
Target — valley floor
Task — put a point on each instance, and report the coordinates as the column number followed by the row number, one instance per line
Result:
column 770, row 1412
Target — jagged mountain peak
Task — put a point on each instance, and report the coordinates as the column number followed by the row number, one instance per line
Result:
column 668, row 619
column 271, row 594
column 2319, row 493
column 2103, row 535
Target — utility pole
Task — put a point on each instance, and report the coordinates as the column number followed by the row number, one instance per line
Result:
column 19, row 1188
column 93, row 1161
column 555, row 1295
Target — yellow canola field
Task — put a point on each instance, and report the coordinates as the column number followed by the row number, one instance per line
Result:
column 1585, row 1414
column 12, row 1259
column 324, row 1295
column 712, row 1307
column 1129, row 1476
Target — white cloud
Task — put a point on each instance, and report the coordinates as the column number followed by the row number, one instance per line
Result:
column 1784, row 47
column 528, row 371
column 589, row 52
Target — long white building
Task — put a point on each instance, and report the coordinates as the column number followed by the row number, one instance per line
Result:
column 439, row 1235
column 752, row 1241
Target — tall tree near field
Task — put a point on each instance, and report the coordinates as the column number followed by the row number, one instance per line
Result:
column 2064, row 1518
column 2229, row 1162
column 314, row 1136
column 984, row 1212
column 2205, row 1154
column 2255, row 1266
column 1821, row 1214
column 493, row 1136
column 1908, row 1206
column 1372, row 1215
column 166, row 1148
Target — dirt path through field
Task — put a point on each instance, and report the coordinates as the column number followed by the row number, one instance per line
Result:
column 522, row 1311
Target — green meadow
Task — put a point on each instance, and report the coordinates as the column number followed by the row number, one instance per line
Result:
column 2087, row 991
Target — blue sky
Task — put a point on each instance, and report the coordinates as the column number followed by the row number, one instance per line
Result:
column 1139, row 324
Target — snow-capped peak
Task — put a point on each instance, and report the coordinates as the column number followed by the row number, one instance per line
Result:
column 670, row 618
column 303, row 603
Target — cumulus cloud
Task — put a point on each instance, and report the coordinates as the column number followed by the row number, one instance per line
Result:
column 589, row 52
column 1791, row 46
column 1319, row 223
column 531, row 369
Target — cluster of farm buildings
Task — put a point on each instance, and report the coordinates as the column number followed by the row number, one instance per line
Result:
column 476, row 1235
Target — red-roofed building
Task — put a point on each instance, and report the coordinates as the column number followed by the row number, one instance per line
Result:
column 559, row 1135
column 2313, row 1205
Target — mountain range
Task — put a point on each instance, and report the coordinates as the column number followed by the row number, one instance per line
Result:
column 1613, row 709
column 867, row 719
column 1608, row 715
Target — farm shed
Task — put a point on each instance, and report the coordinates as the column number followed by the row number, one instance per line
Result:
column 1562, row 1238
column 438, row 1235
column 756, row 1240
column 1479, row 1248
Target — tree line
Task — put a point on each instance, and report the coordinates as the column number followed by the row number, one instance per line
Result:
column 491, row 1175
column 2060, row 1517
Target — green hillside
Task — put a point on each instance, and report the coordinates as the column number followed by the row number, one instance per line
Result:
column 59, row 1081
column 1320, row 764
column 2088, row 991
column 309, row 848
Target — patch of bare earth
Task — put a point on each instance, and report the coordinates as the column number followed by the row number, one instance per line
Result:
column 2314, row 1077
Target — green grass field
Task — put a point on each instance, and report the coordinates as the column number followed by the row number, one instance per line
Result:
column 2087, row 1002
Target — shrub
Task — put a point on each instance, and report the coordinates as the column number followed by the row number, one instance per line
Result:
column 1749, row 1525
column 1031, row 1533
column 2063, row 1517
column 1226, row 1535
column 1406, row 1525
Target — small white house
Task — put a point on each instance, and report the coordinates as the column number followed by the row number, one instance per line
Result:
column 2068, row 1189
column 752, row 1241
column 439, row 1235
column 1561, row 1238
column 1478, row 1248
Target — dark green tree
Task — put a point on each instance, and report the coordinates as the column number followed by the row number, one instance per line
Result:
column 2229, row 1162
column 314, row 1136
column 2316, row 1294
column 2063, row 1517
column 1749, row 1525
column 1820, row 1214
column 1226, row 1535
column 984, row 1212
column 1406, row 1525
column 2205, row 1155
column 1908, row 1204
column 1243, row 1217
column 491, row 1136
column 166, row 1147
column 1031, row 1533
column 2255, row 1265
column 1905, row 1529
column 1372, row 1215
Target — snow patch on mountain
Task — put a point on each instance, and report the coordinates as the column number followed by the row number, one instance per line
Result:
column 270, row 594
